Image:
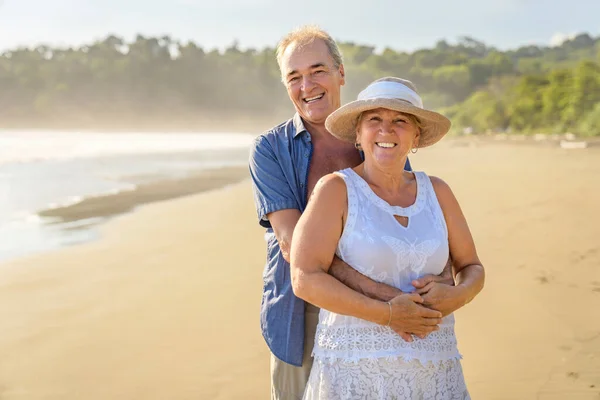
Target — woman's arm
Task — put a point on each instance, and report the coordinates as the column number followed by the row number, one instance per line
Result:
column 315, row 240
column 468, row 269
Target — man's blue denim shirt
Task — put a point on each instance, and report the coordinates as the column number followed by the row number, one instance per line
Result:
column 279, row 163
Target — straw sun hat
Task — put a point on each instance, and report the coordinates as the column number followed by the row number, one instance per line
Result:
column 394, row 94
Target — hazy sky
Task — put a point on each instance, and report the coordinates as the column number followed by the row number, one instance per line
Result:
column 400, row 24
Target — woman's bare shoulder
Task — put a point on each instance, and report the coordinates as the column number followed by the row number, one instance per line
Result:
column 439, row 184
column 442, row 189
column 331, row 188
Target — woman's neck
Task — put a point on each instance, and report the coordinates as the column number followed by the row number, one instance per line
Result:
column 390, row 180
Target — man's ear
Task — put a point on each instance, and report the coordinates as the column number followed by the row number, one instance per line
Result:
column 342, row 74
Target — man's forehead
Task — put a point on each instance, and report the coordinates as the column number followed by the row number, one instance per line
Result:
column 299, row 56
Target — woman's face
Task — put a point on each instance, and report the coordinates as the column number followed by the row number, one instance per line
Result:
column 386, row 137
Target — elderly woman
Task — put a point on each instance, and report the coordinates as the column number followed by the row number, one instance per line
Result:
column 394, row 226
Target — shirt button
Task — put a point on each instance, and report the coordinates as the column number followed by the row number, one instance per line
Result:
column 306, row 155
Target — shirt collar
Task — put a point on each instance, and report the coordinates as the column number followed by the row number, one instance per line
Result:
column 298, row 125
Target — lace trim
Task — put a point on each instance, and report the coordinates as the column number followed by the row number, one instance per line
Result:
column 386, row 380
column 353, row 343
column 409, row 211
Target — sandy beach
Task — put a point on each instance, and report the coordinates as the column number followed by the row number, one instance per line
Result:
column 165, row 305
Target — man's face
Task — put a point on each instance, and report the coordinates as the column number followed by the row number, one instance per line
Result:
column 311, row 80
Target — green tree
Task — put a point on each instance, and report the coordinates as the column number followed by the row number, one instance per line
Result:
column 525, row 104
column 585, row 92
column 590, row 124
column 556, row 98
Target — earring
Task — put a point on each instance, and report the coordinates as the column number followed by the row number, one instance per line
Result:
column 358, row 146
column 414, row 150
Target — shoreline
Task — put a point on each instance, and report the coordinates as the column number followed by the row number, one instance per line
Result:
column 72, row 225
column 113, row 204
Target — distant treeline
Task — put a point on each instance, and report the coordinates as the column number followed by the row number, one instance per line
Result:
column 531, row 89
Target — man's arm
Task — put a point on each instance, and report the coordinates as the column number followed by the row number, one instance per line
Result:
column 284, row 222
column 361, row 283
column 271, row 189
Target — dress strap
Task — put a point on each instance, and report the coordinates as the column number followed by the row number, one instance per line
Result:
column 348, row 176
column 434, row 206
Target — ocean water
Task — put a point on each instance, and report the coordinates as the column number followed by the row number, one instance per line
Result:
column 43, row 169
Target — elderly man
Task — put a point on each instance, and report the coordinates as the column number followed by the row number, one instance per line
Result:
column 285, row 164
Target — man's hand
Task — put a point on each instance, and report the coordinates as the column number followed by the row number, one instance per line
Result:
column 427, row 279
column 445, row 277
column 409, row 316
column 435, row 295
column 442, row 297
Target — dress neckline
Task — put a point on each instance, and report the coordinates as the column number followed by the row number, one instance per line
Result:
column 408, row 211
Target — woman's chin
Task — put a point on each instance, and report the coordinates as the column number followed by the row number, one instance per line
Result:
column 388, row 162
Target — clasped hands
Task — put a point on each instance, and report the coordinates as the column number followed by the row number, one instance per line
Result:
column 419, row 313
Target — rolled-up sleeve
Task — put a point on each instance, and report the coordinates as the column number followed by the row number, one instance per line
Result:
column 272, row 191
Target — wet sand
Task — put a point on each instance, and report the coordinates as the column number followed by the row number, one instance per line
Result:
column 165, row 189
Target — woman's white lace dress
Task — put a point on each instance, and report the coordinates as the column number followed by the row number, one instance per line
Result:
column 357, row 359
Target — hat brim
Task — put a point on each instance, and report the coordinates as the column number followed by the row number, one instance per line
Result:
column 342, row 122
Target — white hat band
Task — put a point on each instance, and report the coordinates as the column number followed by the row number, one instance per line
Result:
column 391, row 90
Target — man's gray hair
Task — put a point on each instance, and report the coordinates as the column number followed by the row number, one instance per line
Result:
column 305, row 35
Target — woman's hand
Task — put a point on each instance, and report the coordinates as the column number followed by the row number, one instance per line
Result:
column 410, row 316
